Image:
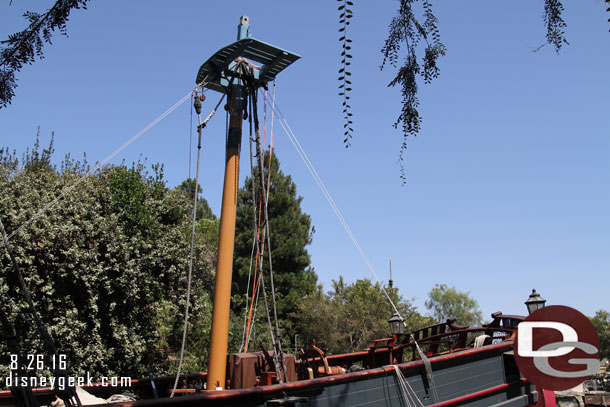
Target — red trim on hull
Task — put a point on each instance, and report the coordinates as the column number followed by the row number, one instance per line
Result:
column 472, row 396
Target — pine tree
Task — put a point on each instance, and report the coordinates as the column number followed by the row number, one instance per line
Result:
column 290, row 231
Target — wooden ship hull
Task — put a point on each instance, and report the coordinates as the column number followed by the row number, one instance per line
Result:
column 485, row 377
column 482, row 377
column 458, row 375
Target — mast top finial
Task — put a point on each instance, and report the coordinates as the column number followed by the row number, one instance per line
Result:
column 243, row 29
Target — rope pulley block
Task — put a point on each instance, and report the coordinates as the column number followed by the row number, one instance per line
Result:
column 197, row 104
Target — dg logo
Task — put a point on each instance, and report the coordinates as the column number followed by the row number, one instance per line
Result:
column 557, row 348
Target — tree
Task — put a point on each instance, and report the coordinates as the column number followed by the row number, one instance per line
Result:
column 349, row 317
column 601, row 322
column 203, row 207
column 447, row 302
column 23, row 47
column 98, row 263
column 170, row 322
column 290, row 231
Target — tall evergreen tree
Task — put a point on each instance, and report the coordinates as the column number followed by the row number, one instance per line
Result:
column 290, row 231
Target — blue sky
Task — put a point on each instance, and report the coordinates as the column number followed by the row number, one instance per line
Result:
column 507, row 183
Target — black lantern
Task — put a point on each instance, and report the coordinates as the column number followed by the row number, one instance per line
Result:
column 534, row 302
column 397, row 325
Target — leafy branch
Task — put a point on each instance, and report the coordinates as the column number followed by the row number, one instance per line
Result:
column 345, row 84
column 407, row 30
column 555, row 25
column 23, row 47
column 608, row 9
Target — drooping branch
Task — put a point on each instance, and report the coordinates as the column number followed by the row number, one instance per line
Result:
column 345, row 84
column 554, row 24
column 407, row 32
column 608, row 9
column 422, row 46
column 23, row 47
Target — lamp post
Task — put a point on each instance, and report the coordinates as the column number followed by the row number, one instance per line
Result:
column 397, row 328
column 397, row 325
column 534, row 302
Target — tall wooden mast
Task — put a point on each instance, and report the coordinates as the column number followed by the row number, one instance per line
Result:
column 226, row 242
column 229, row 71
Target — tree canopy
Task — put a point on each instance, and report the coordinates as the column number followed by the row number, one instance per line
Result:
column 99, row 263
column 447, row 302
column 348, row 317
column 601, row 322
column 187, row 187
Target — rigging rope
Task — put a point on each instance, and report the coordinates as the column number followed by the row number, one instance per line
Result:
column 191, row 133
column 100, row 164
column 408, row 394
column 271, row 146
column 264, row 192
column 310, row 167
column 255, row 245
column 274, row 335
column 194, row 224
column 248, row 316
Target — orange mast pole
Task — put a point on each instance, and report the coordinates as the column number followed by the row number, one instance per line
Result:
column 226, row 241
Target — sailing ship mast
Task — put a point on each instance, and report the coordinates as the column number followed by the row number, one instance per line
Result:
column 229, row 71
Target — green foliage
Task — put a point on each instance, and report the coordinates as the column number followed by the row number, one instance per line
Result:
column 23, row 47
column 345, row 84
column 349, row 317
column 554, row 24
column 407, row 31
column 447, row 302
column 106, row 266
column 601, row 322
column 170, row 324
column 203, row 208
column 290, row 232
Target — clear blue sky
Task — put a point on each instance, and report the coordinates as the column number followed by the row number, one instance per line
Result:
column 508, row 182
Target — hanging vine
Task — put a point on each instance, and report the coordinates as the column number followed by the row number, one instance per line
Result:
column 608, row 9
column 554, row 24
column 407, row 31
column 345, row 14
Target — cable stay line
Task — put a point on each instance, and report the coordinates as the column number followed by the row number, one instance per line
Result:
column 312, row 170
